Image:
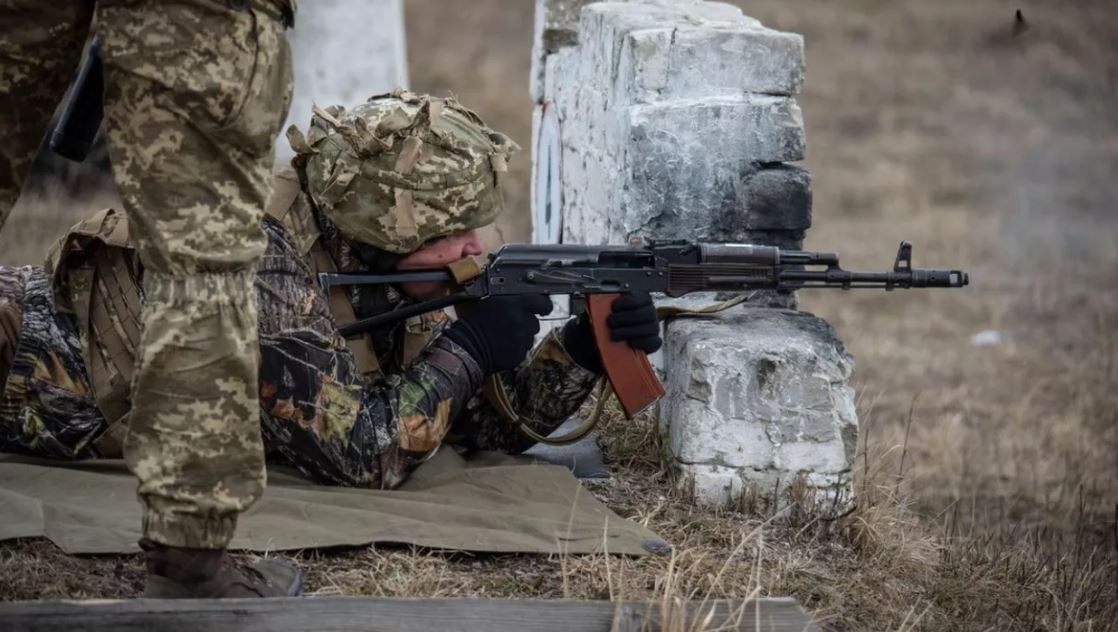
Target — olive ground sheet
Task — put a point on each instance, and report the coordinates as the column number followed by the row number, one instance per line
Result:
column 487, row 503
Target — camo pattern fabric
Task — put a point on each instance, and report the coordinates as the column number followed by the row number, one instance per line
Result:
column 195, row 93
column 37, row 60
column 402, row 169
column 46, row 405
column 321, row 415
column 203, row 89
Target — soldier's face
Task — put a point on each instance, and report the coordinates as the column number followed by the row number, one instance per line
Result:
column 436, row 255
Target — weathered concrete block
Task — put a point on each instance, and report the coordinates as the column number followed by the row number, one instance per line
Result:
column 721, row 486
column 716, row 485
column 763, row 129
column 650, row 51
column 759, row 395
column 775, row 197
column 654, row 165
column 733, row 60
column 649, row 150
column 714, row 204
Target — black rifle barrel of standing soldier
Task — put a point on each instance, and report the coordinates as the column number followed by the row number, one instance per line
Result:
column 671, row 268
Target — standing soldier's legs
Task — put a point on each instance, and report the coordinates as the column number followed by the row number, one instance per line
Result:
column 195, row 94
column 40, row 46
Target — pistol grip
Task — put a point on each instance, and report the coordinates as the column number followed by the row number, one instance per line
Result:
column 630, row 374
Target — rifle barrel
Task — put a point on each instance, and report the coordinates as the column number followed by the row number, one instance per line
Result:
column 917, row 277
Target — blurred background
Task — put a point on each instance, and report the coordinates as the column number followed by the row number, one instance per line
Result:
column 988, row 140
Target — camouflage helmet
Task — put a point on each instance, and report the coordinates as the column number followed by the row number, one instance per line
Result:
column 402, row 169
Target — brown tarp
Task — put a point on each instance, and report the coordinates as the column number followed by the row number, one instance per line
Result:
column 489, row 503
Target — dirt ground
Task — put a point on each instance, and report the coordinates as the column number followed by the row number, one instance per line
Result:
column 988, row 474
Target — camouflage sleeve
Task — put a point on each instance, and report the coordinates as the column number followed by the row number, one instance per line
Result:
column 319, row 412
column 547, row 389
column 47, row 408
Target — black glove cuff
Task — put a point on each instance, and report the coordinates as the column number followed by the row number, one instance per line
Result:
column 578, row 340
column 464, row 334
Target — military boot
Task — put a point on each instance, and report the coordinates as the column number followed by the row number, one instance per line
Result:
column 180, row 573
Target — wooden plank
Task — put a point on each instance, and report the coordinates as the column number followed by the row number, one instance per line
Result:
column 373, row 614
column 630, row 618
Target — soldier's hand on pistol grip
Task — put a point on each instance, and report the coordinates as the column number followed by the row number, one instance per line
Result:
column 632, row 320
column 498, row 332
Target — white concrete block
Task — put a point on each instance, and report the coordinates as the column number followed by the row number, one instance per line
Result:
column 721, row 486
column 650, row 51
column 763, row 128
column 811, row 456
column 652, row 165
column 760, row 391
column 714, row 485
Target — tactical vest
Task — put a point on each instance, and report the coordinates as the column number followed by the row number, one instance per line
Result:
column 96, row 276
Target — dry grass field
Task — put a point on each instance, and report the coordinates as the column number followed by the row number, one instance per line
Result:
column 988, row 474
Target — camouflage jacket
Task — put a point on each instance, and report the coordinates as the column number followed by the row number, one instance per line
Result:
column 320, row 411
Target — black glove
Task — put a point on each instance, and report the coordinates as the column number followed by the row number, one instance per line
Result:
column 498, row 332
column 632, row 320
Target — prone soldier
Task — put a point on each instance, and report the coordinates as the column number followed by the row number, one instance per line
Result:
column 400, row 182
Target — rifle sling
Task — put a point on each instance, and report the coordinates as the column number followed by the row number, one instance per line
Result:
column 494, row 389
column 668, row 312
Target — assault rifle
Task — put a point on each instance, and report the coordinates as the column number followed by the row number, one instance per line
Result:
column 599, row 273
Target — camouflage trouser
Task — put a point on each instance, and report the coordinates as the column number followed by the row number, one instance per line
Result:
column 195, row 93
